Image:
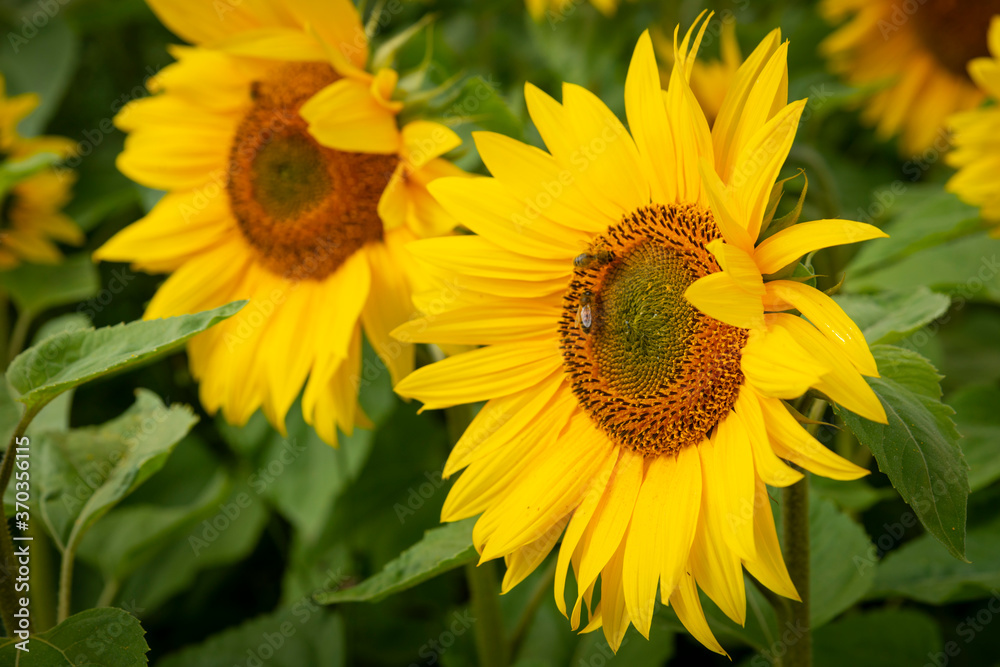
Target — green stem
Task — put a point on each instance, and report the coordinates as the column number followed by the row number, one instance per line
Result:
column 109, row 593
column 795, row 519
column 4, row 323
column 491, row 645
column 491, row 642
column 19, row 334
column 8, row 563
column 66, row 581
column 543, row 589
column 43, row 596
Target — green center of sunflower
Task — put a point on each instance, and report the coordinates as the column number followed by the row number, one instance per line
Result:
column 303, row 207
column 651, row 370
column 289, row 176
column 955, row 31
column 641, row 320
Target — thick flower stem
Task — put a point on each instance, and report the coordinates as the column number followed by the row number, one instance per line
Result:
column 795, row 519
column 8, row 562
column 491, row 644
column 491, row 641
column 796, row 526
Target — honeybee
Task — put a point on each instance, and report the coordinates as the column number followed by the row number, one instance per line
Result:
column 585, row 314
column 596, row 258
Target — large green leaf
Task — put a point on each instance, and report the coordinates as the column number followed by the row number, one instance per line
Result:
column 227, row 535
column 39, row 60
column 837, row 582
column 921, row 571
column 442, row 549
column 300, row 474
column 925, row 218
column 37, row 287
column 68, row 360
column 977, row 413
column 130, row 536
column 635, row 650
column 108, row 637
column 892, row 316
column 303, row 634
column 918, row 449
column 968, row 268
column 85, row 472
column 879, row 638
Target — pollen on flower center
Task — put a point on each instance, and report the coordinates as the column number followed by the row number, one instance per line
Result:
column 955, row 31
column 651, row 370
column 303, row 207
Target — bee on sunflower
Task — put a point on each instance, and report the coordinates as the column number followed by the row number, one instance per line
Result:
column 31, row 219
column 290, row 182
column 638, row 344
column 914, row 56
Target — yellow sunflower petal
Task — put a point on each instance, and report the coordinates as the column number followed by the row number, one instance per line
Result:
column 776, row 365
column 718, row 295
column 346, row 116
column 829, row 318
column 778, row 251
column 687, row 604
column 793, row 443
column 482, row 374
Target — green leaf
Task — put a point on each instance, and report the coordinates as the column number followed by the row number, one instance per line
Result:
column 892, row 316
column 85, row 472
column 877, row 639
column 301, row 474
column 918, row 449
column 13, row 171
column 130, row 536
column 855, row 495
column 35, row 288
column 442, row 549
column 968, row 268
column 925, row 218
column 39, row 60
column 227, row 534
column 108, row 637
column 978, row 418
column 68, row 360
column 55, row 415
column 921, row 571
column 836, row 581
column 304, row 634
column 479, row 102
column 635, row 650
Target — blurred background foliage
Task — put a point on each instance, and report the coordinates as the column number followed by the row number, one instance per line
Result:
column 240, row 527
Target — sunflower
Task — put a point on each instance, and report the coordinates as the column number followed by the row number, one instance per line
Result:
column 710, row 79
column 915, row 56
column 31, row 217
column 975, row 138
column 636, row 350
column 290, row 183
column 557, row 10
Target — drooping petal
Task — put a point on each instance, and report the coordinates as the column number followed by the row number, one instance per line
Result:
column 829, row 318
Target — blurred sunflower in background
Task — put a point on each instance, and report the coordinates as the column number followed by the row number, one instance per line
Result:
column 912, row 58
column 34, row 193
column 976, row 149
column 636, row 358
column 558, row 10
column 290, row 183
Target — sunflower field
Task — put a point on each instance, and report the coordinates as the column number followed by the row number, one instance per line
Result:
column 500, row 333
